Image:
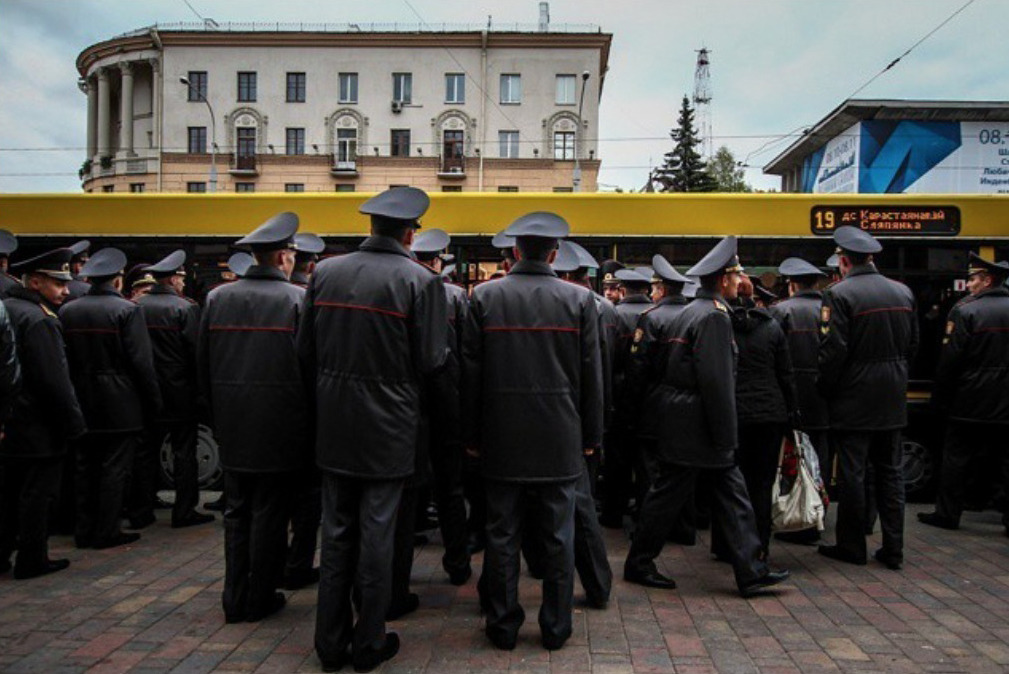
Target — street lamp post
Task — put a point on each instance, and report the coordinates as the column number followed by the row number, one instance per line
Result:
column 213, row 134
column 576, row 181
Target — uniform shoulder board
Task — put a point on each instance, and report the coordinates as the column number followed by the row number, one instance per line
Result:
column 188, row 299
column 720, row 306
column 650, row 309
column 423, row 266
column 47, row 311
column 966, row 299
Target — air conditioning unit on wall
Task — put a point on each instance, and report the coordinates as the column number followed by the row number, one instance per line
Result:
column 397, row 106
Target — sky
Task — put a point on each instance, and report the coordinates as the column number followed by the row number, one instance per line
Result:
column 777, row 66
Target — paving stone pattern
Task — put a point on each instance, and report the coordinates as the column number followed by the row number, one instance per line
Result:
column 155, row 607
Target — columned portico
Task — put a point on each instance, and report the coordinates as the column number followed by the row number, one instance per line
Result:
column 92, row 90
column 104, row 114
column 126, row 111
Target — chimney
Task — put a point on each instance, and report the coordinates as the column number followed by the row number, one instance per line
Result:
column 544, row 17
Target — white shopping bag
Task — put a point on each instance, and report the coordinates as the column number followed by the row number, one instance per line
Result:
column 796, row 502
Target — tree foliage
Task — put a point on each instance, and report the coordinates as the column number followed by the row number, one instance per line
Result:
column 727, row 175
column 684, row 170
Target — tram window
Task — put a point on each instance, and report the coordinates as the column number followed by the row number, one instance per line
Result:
column 947, row 259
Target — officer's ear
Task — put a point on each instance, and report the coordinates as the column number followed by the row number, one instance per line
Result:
column 552, row 256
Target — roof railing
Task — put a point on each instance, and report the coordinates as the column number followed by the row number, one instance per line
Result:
column 211, row 26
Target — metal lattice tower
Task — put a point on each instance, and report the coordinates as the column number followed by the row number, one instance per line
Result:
column 702, row 102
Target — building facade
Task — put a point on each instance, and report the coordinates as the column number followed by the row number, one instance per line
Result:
column 900, row 146
column 343, row 108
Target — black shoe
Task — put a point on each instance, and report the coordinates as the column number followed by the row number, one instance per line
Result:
column 841, row 555
column 937, row 520
column 399, row 609
column 236, row 618
column 216, row 506
column 143, row 521
column 273, row 604
column 683, row 538
column 121, row 539
column 476, row 543
column 597, row 603
column 192, row 519
column 650, row 579
column 338, row 664
column 368, row 661
column 804, row 537
column 501, row 642
column 554, row 643
column 301, row 579
column 162, row 504
column 460, row 576
column 47, row 567
column 758, row 585
column 889, row 561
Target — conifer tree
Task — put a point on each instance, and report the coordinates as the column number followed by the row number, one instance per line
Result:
column 684, row 170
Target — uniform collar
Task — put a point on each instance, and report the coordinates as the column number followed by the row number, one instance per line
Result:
column 704, row 294
column 809, row 293
column 383, row 244
column 860, row 269
column 994, row 292
column 104, row 289
column 636, row 298
column 672, row 299
column 28, row 295
column 158, row 289
column 265, row 273
column 299, row 278
column 532, row 267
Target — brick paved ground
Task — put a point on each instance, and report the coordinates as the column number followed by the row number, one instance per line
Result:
column 155, row 607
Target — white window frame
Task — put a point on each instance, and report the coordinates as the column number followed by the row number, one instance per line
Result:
column 566, row 84
column 566, row 147
column 511, row 88
column 347, row 87
column 508, row 144
column 346, row 146
column 402, row 88
column 455, row 88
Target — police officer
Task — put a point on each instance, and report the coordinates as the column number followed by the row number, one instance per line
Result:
column 8, row 244
column 373, row 338
column 444, row 440
column 972, row 383
column 78, row 287
column 309, row 247
column 532, row 400
column 697, row 432
column 799, row 316
column 113, row 373
column 10, row 369
column 248, row 368
column 621, row 453
column 868, row 334
column 45, row 416
column 137, row 282
column 612, row 288
column 173, row 323
column 306, row 507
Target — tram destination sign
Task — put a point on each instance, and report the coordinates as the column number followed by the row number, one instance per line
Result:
column 899, row 220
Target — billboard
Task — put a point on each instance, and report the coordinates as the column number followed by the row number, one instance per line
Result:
column 906, row 156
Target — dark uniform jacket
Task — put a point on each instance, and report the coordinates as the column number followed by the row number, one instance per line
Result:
column 648, row 357
column 697, row 395
column 78, row 288
column 110, row 361
column 46, row 413
column 248, row 368
column 533, row 391
column 972, row 378
column 799, row 317
column 765, row 385
column 458, row 311
column 10, row 369
column 374, row 332
column 628, row 310
column 6, row 283
column 300, row 279
column 173, row 323
column 868, row 335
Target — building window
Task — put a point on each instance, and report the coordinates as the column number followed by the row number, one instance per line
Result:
column 564, row 189
column 402, row 87
column 196, row 187
column 246, row 141
column 400, row 143
column 294, row 187
column 564, row 145
column 344, row 188
column 509, row 141
column 346, row 145
column 295, row 141
column 108, row 188
column 451, row 188
column 348, row 87
column 295, row 87
column 197, row 85
column 508, row 188
column 565, row 90
column 245, row 187
column 197, row 139
column 511, row 88
column 246, row 87
column 455, row 88
column 136, row 188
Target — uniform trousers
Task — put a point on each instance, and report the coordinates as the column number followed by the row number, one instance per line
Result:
column 28, row 492
column 476, row 495
column 732, row 515
column 965, row 442
column 255, row 539
column 446, row 469
column 757, row 457
column 306, row 515
column 185, row 470
column 403, row 547
column 358, row 527
column 618, row 465
column 883, row 451
column 104, row 461
column 553, row 521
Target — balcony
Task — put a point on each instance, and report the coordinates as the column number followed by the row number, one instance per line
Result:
column 244, row 165
column 346, row 169
column 452, row 168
